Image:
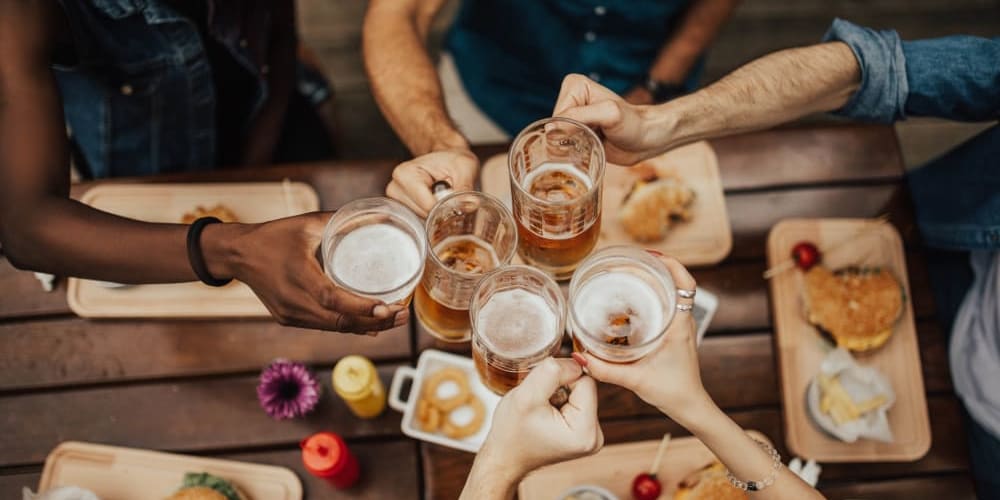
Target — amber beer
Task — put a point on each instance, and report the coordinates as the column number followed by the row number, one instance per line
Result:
column 470, row 234
column 518, row 318
column 375, row 247
column 622, row 301
column 460, row 254
column 556, row 174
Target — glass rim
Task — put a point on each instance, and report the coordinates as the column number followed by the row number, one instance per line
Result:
column 646, row 261
column 372, row 205
column 505, row 212
column 548, row 282
column 595, row 183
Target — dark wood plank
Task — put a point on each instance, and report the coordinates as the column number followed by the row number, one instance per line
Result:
column 808, row 155
column 188, row 416
column 445, row 469
column 61, row 352
column 951, row 486
column 22, row 294
column 389, row 470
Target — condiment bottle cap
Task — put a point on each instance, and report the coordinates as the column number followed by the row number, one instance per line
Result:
column 353, row 377
column 324, row 453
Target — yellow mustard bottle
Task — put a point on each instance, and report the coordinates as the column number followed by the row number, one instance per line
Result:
column 356, row 381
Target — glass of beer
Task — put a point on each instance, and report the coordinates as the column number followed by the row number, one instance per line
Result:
column 375, row 248
column 556, row 176
column 518, row 318
column 469, row 234
column 622, row 301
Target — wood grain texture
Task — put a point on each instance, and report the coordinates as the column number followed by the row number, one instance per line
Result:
column 445, row 469
column 377, row 459
column 53, row 353
column 951, row 486
column 186, row 416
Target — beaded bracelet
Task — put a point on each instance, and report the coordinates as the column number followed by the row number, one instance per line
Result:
column 767, row 481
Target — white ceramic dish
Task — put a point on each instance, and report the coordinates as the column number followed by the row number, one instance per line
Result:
column 430, row 362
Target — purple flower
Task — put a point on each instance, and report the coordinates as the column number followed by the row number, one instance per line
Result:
column 287, row 390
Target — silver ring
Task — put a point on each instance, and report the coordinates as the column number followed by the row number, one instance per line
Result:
column 686, row 294
column 685, row 307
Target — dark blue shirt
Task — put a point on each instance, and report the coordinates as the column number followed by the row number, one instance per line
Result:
column 513, row 54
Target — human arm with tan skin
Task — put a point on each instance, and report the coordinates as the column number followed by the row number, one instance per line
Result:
column 42, row 229
column 774, row 89
column 697, row 29
column 528, row 432
column 669, row 379
column 407, row 89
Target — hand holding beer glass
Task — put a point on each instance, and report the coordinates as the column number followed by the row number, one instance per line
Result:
column 518, row 318
column 469, row 234
column 556, row 168
column 375, row 247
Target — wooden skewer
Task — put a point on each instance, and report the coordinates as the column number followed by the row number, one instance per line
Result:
column 790, row 263
column 659, row 454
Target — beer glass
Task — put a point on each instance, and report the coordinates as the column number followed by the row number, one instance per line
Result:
column 469, row 234
column 622, row 301
column 375, row 248
column 518, row 318
column 556, row 175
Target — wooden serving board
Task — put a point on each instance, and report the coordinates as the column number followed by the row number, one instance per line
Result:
column 250, row 202
column 703, row 240
column 800, row 347
column 615, row 466
column 115, row 473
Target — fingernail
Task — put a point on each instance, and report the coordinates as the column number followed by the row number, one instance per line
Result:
column 580, row 360
column 371, row 334
column 381, row 311
column 655, row 252
column 402, row 317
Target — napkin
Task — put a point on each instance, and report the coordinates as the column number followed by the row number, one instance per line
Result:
column 861, row 383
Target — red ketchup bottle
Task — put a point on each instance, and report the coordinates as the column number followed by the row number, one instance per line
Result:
column 325, row 455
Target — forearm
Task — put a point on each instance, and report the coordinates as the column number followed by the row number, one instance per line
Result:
column 741, row 454
column 696, row 31
column 403, row 78
column 66, row 238
column 774, row 89
column 491, row 480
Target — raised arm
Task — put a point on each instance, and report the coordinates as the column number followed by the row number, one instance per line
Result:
column 42, row 229
column 669, row 379
column 407, row 90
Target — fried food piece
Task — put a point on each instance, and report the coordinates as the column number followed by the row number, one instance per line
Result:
column 455, row 375
column 455, row 431
column 857, row 307
column 709, row 482
column 836, row 402
column 428, row 416
column 653, row 205
column 219, row 211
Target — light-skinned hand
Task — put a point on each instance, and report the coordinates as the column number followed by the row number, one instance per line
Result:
column 412, row 180
column 631, row 133
column 667, row 378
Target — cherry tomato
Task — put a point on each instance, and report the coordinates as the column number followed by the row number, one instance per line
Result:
column 806, row 255
column 645, row 486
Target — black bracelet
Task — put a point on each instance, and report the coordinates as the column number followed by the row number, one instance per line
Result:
column 195, row 256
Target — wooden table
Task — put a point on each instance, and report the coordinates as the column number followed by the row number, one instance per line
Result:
column 188, row 386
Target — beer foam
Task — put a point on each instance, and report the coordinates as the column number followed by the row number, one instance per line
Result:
column 376, row 258
column 566, row 169
column 516, row 323
column 617, row 294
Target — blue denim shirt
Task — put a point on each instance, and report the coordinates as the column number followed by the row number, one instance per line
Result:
column 140, row 97
column 513, row 54
column 957, row 197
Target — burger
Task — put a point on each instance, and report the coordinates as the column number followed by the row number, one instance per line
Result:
column 204, row 486
column 707, row 483
column 857, row 307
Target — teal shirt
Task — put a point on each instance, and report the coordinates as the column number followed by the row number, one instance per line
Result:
column 513, row 54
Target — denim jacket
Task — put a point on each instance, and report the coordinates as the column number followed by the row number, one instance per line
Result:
column 957, row 196
column 139, row 98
